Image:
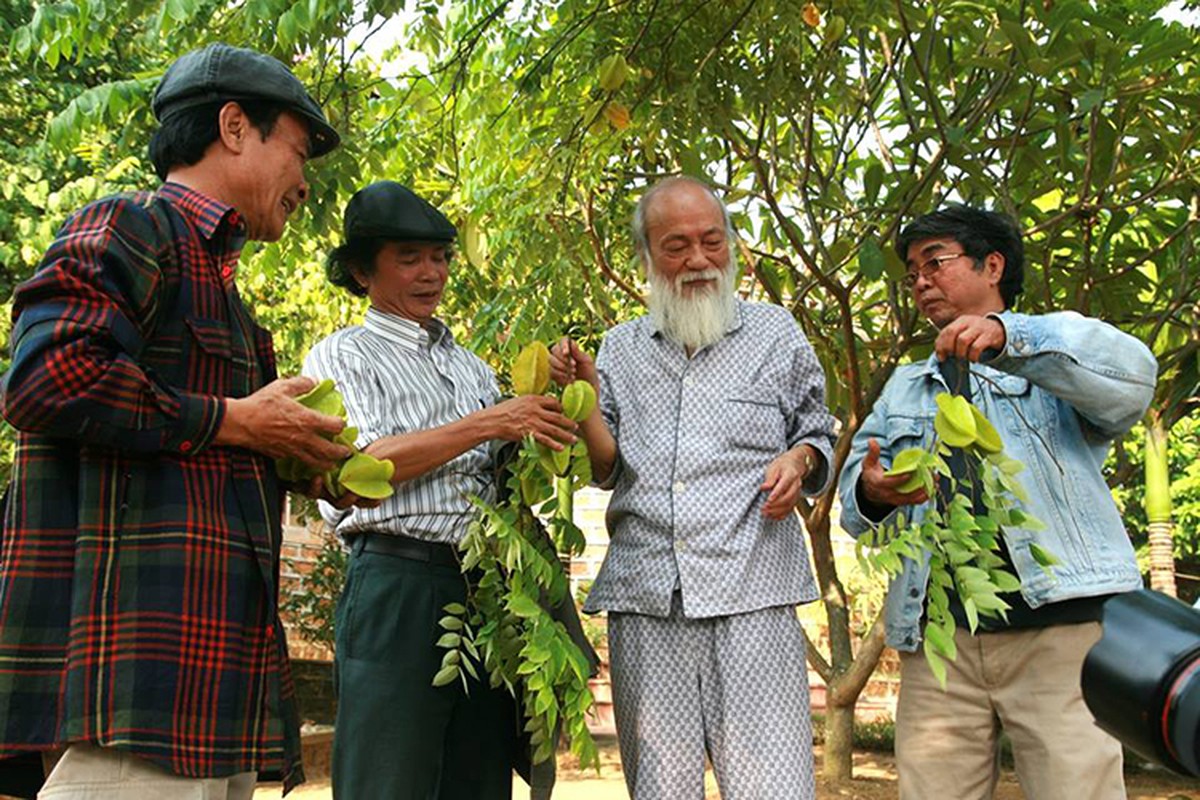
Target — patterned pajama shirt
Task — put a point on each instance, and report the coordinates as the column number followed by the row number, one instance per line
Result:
column 700, row 586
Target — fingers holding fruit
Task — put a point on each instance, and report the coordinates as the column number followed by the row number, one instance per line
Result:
column 900, row 485
column 273, row 422
column 348, row 474
column 568, row 362
column 534, row 415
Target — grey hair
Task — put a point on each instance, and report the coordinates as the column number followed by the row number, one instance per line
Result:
column 639, row 213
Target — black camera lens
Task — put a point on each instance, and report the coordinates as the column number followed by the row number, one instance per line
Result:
column 1141, row 681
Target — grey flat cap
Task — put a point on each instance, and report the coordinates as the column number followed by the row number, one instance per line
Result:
column 220, row 72
column 388, row 210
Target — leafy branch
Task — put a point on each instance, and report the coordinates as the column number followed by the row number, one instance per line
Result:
column 515, row 579
column 960, row 536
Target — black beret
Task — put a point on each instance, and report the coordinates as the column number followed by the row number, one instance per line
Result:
column 388, row 210
column 219, row 73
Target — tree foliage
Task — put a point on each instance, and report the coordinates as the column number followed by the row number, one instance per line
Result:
column 1184, row 460
column 827, row 125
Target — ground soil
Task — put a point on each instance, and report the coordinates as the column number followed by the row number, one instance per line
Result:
column 874, row 779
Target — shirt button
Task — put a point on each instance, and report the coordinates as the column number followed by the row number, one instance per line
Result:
column 914, row 593
column 679, row 487
column 679, row 546
column 689, row 381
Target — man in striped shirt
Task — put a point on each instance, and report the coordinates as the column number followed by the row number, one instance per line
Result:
column 140, row 562
column 431, row 407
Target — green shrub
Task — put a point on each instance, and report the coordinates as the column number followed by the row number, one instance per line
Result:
column 310, row 607
column 877, row 736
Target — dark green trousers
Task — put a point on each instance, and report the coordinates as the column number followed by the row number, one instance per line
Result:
column 397, row 737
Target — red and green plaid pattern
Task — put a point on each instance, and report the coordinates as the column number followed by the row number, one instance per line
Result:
column 139, row 565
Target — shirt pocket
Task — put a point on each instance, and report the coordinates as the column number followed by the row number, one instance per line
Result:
column 219, row 363
column 1016, row 410
column 904, row 432
column 753, row 422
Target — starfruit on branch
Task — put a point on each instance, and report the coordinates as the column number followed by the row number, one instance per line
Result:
column 578, row 400
column 504, row 633
column 531, row 369
column 360, row 473
column 960, row 540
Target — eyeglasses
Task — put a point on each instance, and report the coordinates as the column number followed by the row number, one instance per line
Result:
column 928, row 268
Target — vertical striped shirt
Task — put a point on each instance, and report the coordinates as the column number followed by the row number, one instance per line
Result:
column 397, row 377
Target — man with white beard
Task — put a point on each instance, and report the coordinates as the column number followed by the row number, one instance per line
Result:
column 711, row 424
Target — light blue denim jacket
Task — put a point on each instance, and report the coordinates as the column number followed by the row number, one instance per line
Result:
column 1062, row 390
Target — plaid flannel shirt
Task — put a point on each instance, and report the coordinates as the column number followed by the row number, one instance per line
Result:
column 140, row 563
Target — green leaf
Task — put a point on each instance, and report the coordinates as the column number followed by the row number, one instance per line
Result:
column 446, row 675
column 972, row 614
column 989, row 602
column 870, row 260
column 941, row 641
column 872, row 180
column 936, row 664
column 523, row 606
column 1090, row 99
column 1043, row 557
column 1005, row 581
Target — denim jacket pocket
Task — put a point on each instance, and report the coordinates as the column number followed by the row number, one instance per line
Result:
column 905, row 431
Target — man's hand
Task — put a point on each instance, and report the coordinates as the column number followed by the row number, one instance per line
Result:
column 532, row 414
column 784, row 479
column 881, row 489
column 569, row 363
column 271, row 422
column 968, row 336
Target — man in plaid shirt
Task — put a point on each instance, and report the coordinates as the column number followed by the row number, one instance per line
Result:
column 139, row 633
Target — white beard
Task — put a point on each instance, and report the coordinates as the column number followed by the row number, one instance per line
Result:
column 695, row 320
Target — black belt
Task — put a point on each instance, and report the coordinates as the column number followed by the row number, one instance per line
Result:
column 391, row 544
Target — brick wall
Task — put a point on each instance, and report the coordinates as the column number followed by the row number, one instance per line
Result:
column 302, row 542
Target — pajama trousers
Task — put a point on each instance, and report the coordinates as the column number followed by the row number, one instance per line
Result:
column 734, row 688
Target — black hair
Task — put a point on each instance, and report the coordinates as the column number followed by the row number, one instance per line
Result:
column 183, row 137
column 355, row 256
column 980, row 233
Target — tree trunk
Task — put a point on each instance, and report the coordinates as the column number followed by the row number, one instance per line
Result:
column 1158, row 508
column 845, row 672
column 839, row 742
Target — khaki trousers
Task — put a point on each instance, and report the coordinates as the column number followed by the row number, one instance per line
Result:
column 1025, row 682
column 87, row 772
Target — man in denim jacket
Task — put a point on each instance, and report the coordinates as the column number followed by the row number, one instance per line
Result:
column 1059, row 388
